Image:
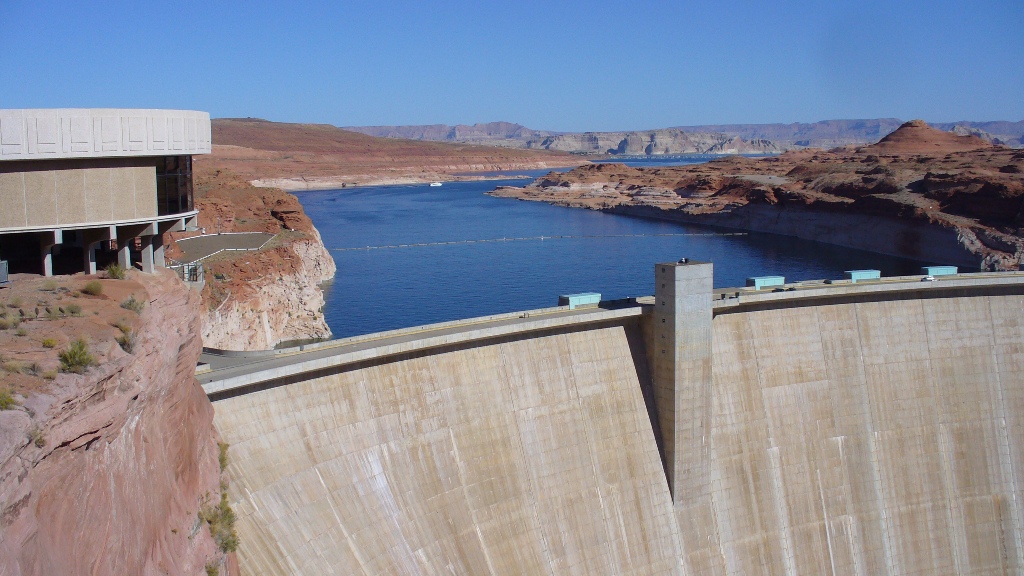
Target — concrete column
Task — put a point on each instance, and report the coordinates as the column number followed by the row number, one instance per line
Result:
column 124, row 255
column 147, row 254
column 89, row 257
column 47, row 241
column 90, row 240
column 682, row 375
column 158, row 251
column 47, row 256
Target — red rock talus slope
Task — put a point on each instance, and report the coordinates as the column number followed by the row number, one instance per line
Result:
column 255, row 300
column 306, row 156
column 106, row 472
column 919, row 192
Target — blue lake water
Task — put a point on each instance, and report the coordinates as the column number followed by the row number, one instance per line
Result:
column 386, row 288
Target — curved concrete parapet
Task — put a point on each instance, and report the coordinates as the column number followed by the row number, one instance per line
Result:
column 878, row 431
column 40, row 134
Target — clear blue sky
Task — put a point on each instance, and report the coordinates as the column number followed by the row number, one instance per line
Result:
column 597, row 65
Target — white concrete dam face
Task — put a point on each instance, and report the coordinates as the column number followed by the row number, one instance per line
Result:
column 859, row 438
column 523, row 457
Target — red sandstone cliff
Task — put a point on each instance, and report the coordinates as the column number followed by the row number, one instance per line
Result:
column 255, row 300
column 106, row 472
column 919, row 192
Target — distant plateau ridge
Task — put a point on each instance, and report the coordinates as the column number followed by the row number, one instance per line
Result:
column 703, row 139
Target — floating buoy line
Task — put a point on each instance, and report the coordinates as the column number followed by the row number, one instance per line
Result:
column 529, row 239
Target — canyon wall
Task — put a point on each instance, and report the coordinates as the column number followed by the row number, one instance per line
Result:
column 106, row 472
column 876, row 435
column 279, row 299
column 255, row 300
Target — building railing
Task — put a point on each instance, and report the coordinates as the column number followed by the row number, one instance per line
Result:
column 191, row 272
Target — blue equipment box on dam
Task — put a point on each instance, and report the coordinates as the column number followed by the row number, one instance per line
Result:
column 581, row 299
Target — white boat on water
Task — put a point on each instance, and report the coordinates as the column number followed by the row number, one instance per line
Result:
column 432, row 184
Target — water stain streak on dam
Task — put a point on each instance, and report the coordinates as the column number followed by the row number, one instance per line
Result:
column 855, row 429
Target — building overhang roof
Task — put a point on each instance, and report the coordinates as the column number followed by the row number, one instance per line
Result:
column 61, row 133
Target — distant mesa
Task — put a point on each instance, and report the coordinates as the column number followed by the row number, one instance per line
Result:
column 737, row 138
column 917, row 136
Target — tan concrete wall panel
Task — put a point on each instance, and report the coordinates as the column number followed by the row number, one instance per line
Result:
column 71, row 201
column 144, row 178
column 12, row 200
column 121, row 182
column 41, row 198
column 99, row 206
column 77, row 195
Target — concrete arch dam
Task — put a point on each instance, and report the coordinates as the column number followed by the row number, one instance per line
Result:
column 834, row 429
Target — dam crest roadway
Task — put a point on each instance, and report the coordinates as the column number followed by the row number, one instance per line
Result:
column 868, row 428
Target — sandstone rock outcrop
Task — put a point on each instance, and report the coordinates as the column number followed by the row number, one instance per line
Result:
column 653, row 142
column 256, row 300
column 919, row 192
column 106, row 472
column 823, row 134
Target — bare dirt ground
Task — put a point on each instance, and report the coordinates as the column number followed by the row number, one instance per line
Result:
column 40, row 317
column 311, row 156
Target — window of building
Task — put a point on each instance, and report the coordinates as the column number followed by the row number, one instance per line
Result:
column 174, row 185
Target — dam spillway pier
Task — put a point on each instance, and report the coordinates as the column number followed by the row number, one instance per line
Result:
column 867, row 428
column 681, row 368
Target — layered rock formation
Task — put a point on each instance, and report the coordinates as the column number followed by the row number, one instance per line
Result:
column 919, row 192
column 506, row 134
column 107, row 472
column 654, row 142
column 256, row 300
column 824, row 134
column 641, row 142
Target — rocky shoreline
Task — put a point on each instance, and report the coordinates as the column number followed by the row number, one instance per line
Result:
column 919, row 193
column 256, row 300
column 360, row 181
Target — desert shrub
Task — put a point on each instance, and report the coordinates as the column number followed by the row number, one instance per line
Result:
column 37, row 438
column 93, row 288
column 54, row 313
column 76, row 357
column 7, row 323
column 212, row 569
column 21, row 332
column 11, row 366
column 221, row 519
column 48, row 286
column 74, row 309
column 134, row 305
column 14, row 303
column 223, row 456
column 50, row 375
column 7, row 401
column 115, row 272
column 127, row 341
column 49, row 342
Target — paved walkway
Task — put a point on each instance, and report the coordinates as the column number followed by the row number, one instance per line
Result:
column 200, row 247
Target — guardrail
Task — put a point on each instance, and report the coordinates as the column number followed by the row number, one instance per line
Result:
column 191, row 272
